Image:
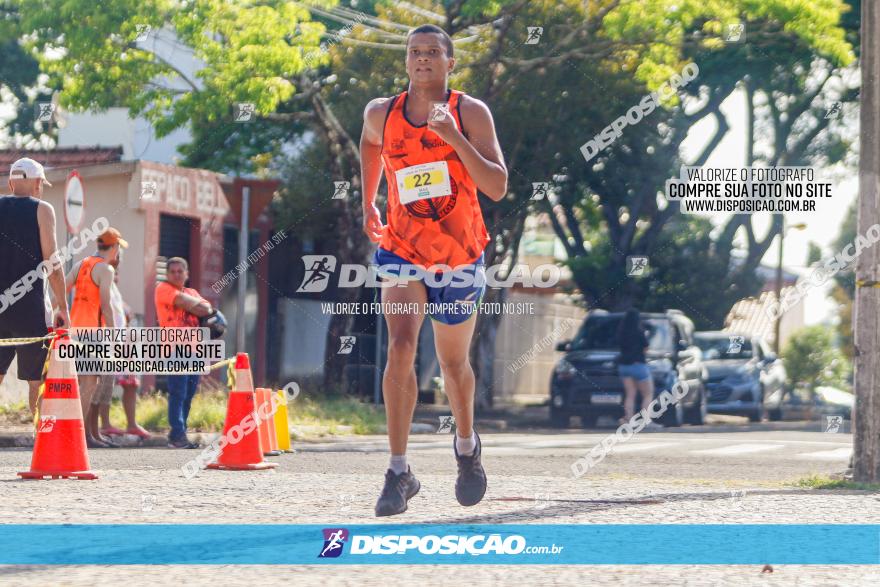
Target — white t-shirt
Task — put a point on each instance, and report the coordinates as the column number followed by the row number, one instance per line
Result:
column 117, row 306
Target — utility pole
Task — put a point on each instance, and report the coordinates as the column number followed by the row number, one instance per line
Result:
column 866, row 315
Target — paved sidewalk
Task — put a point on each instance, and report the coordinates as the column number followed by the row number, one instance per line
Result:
column 528, row 483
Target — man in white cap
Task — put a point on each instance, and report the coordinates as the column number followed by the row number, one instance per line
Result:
column 27, row 238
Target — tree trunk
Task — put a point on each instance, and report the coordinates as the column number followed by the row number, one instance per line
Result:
column 866, row 319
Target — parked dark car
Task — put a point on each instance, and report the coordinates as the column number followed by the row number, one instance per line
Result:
column 744, row 377
column 585, row 381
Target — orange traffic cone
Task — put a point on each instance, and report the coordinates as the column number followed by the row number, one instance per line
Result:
column 267, row 424
column 273, row 408
column 241, row 450
column 60, row 444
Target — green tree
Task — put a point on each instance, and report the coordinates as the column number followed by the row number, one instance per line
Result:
column 19, row 72
column 811, row 358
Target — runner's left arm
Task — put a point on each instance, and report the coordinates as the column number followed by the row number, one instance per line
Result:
column 479, row 151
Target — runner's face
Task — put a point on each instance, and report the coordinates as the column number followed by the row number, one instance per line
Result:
column 176, row 274
column 426, row 59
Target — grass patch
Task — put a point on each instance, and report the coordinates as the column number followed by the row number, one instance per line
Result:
column 330, row 414
column 207, row 413
column 327, row 415
column 822, row 482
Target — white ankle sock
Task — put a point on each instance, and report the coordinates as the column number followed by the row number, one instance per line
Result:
column 398, row 464
column 466, row 446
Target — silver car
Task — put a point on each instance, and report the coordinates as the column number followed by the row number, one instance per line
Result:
column 744, row 377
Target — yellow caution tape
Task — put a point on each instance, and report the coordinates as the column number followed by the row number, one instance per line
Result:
column 230, row 370
column 868, row 283
column 18, row 341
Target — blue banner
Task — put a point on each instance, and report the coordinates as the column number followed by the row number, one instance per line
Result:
column 275, row 544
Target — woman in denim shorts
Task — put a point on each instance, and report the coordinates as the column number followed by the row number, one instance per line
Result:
column 632, row 366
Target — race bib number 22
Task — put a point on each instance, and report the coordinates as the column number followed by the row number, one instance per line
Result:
column 418, row 182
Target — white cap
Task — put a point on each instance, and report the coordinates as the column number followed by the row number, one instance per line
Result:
column 28, row 169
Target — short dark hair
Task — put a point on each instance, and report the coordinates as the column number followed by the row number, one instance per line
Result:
column 431, row 28
column 180, row 260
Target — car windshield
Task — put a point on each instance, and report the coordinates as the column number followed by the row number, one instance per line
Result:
column 600, row 333
column 724, row 347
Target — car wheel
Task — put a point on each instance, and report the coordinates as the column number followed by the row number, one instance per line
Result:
column 696, row 415
column 757, row 415
column 589, row 420
column 559, row 419
column 673, row 416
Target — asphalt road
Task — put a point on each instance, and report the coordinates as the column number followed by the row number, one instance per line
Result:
column 692, row 475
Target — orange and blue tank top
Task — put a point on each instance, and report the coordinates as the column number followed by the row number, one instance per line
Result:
column 433, row 214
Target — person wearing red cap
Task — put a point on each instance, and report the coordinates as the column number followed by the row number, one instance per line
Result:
column 92, row 280
column 27, row 241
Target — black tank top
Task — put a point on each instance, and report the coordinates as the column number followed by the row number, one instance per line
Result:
column 20, row 253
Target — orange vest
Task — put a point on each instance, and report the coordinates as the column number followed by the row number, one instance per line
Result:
column 440, row 229
column 86, row 309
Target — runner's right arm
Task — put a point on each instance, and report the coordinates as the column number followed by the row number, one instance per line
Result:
column 193, row 305
column 49, row 246
column 371, row 165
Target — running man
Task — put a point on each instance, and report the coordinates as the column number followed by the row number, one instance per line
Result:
column 433, row 169
column 27, row 237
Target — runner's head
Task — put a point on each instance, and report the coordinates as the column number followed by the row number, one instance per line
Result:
column 109, row 244
column 429, row 55
column 26, row 178
column 177, row 271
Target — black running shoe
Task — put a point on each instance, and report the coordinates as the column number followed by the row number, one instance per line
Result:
column 182, row 443
column 470, row 487
column 397, row 491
